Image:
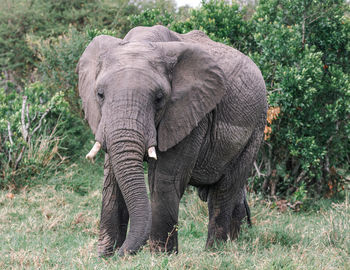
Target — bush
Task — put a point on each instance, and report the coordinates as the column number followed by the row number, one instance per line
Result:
column 28, row 127
column 301, row 48
column 221, row 21
column 21, row 20
column 150, row 17
column 49, row 112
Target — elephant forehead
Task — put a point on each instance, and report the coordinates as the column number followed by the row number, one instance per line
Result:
column 131, row 58
column 122, row 78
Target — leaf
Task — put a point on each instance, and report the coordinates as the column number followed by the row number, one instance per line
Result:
column 272, row 114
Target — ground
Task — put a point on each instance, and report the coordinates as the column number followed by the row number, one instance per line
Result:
column 54, row 225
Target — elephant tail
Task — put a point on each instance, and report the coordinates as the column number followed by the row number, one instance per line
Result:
column 247, row 210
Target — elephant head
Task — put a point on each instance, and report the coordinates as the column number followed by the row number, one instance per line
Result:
column 140, row 96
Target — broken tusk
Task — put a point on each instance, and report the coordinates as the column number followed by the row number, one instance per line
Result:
column 152, row 152
column 93, row 152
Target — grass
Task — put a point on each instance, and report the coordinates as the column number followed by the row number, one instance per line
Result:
column 55, row 226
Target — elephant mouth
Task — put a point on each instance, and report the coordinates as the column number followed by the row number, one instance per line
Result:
column 97, row 147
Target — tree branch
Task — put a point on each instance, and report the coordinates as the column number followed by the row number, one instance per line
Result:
column 257, row 170
column 10, row 132
column 40, row 121
column 18, row 160
column 301, row 176
column 10, row 139
column 23, row 123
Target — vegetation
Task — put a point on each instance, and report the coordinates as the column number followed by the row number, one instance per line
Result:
column 57, row 228
column 302, row 48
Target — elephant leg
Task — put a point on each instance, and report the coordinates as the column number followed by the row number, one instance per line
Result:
column 240, row 211
column 166, row 192
column 114, row 214
column 165, row 211
column 227, row 200
column 227, row 209
column 168, row 178
column 221, row 201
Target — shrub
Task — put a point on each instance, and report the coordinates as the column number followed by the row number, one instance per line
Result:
column 150, row 17
column 221, row 21
column 301, row 48
column 28, row 134
column 45, row 19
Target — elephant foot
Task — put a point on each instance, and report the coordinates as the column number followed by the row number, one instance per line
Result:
column 170, row 246
column 106, row 247
column 105, row 253
column 216, row 237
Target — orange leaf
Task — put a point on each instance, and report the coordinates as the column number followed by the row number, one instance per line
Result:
column 272, row 113
column 267, row 132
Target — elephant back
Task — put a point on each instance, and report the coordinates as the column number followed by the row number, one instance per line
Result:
column 157, row 33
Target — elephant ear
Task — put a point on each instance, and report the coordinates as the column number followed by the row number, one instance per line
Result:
column 197, row 86
column 88, row 68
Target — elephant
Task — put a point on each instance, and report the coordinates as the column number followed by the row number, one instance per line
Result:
column 194, row 109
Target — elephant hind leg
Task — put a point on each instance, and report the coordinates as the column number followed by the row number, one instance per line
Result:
column 114, row 215
column 227, row 201
column 227, row 205
column 203, row 192
column 222, row 200
column 240, row 211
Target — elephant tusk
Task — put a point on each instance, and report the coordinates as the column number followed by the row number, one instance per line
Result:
column 93, row 152
column 152, row 152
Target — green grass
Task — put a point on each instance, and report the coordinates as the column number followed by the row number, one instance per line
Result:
column 55, row 226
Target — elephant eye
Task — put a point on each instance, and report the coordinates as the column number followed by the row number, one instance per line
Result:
column 159, row 95
column 159, row 99
column 100, row 95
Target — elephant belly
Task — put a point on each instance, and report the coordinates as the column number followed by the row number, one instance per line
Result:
column 223, row 145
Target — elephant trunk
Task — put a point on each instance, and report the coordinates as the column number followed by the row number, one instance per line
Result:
column 126, row 151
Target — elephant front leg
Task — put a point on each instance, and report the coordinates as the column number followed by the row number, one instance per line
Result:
column 165, row 210
column 164, row 237
column 165, row 199
column 114, row 214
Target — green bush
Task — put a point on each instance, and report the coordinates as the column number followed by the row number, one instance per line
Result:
column 302, row 48
column 221, row 21
column 21, row 20
column 150, row 17
column 29, row 125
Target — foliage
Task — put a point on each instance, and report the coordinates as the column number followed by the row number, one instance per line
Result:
column 221, row 21
column 23, row 19
column 150, row 17
column 301, row 48
column 36, row 131
column 59, row 57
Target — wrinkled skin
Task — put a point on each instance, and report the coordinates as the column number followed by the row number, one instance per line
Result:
column 200, row 103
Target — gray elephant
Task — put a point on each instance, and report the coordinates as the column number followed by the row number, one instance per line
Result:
column 193, row 108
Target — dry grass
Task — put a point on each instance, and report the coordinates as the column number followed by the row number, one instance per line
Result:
column 50, row 228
